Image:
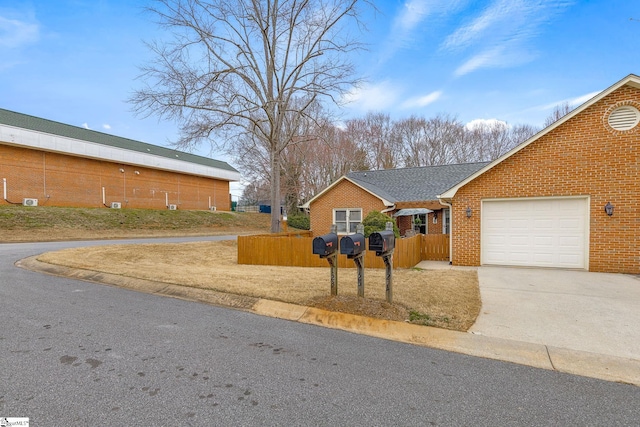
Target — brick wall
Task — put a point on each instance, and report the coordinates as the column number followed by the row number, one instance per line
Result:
column 581, row 157
column 346, row 195
column 435, row 228
column 404, row 223
column 61, row 180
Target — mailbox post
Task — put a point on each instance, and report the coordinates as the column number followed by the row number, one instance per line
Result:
column 353, row 246
column 383, row 243
column 326, row 246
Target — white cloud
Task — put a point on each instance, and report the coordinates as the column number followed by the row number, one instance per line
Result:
column 15, row 34
column 481, row 60
column 573, row 102
column 467, row 34
column 501, row 34
column 485, row 123
column 106, row 126
column 422, row 101
column 408, row 20
column 582, row 99
column 86, row 126
column 378, row 96
column 412, row 13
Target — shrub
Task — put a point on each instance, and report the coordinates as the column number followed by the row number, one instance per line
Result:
column 377, row 221
column 299, row 221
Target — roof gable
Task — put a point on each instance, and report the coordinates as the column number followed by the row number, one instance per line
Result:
column 335, row 183
column 631, row 80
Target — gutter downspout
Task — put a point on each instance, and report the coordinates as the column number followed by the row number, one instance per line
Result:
column 4, row 192
column 389, row 209
column 450, row 229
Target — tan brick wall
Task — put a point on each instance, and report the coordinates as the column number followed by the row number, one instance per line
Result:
column 437, row 227
column 581, row 157
column 60, row 180
column 404, row 223
column 343, row 195
column 348, row 195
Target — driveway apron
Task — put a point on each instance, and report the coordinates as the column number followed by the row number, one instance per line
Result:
column 593, row 312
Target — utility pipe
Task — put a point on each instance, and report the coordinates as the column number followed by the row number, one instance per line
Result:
column 450, row 229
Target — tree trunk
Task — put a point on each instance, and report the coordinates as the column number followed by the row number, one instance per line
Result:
column 275, row 191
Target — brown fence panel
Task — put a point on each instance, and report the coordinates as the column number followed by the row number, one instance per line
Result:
column 296, row 250
column 435, row 247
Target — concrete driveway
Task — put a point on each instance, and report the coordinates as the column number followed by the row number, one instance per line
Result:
column 592, row 312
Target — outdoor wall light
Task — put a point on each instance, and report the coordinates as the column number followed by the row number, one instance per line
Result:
column 121, row 170
column 608, row 208
column 137, row 172
column 469, row 212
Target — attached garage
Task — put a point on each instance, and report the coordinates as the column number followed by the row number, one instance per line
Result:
column 568, row 197
column 536, row 232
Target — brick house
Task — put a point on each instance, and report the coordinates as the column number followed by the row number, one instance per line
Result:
column 569, row 197
column 406, row 194
column 49, row 163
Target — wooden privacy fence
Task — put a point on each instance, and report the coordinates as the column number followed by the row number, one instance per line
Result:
column 295, row 250
column 435, row 247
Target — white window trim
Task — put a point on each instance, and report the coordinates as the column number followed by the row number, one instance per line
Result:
column 446, row 219
column 348, row 211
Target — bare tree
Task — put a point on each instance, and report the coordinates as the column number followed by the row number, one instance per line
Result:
column 558, row 112
column 436, row 141
column 334, row 154
column 520, row 133
column 412, row 138
column 374, row 134
column 240, row 69
column 254, row 193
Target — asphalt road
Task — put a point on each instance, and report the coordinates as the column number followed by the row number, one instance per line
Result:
column 82, row 354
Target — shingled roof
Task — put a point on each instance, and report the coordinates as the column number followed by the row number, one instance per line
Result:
column 414, row 184
column 409, row 184
column 24, row 121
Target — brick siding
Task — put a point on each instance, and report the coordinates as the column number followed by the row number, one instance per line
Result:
column 581, row 157
column 437, row 227
column 62, row 180
column 344, row 195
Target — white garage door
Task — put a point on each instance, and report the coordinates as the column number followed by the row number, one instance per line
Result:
column 549, row 232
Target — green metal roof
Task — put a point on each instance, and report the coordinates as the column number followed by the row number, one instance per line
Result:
column 24, row 121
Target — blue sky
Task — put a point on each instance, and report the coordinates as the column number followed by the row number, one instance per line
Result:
column 76, row 61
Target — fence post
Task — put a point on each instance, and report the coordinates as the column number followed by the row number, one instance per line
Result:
column 360, row 264
column 388, row 264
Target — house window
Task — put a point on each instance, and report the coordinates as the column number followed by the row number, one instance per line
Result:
column 346, row 220
column 446, row 221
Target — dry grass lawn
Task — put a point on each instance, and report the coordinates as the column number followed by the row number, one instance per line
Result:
column 447, row 299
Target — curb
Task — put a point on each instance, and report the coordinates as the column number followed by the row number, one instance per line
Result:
column 604, row 367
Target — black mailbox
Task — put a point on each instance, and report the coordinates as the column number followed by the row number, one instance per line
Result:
column 352, row 245
column 325, row 245
column 382, row 241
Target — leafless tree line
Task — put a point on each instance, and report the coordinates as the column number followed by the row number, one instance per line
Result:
column 251, row 76
column 323, row 152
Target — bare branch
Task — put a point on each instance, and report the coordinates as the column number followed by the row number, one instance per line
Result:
column 248, row 70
